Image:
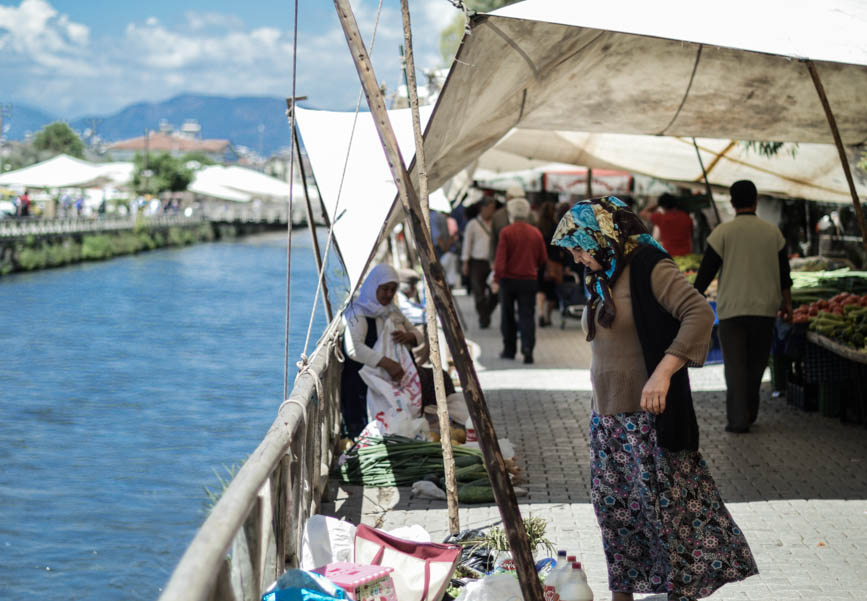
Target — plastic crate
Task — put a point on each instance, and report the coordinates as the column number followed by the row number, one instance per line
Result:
column 714, row 353
column 802, row 396
column 853, row 399
column 821, row 365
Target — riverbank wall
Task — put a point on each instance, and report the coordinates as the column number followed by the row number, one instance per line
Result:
column 50, row 249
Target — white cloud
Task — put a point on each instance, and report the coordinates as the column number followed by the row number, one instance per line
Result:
column 214, row 53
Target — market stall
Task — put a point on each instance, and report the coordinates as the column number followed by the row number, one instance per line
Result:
column 820, row 360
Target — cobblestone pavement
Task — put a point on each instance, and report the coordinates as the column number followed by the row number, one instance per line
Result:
column 796, row 485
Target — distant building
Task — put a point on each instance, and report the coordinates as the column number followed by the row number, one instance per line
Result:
column 176, row 144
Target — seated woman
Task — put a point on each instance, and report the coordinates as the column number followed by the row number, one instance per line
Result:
column 363, row 319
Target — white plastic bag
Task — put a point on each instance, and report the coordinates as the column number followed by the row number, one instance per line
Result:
column 493, row 587
column 425, row 489
column 326, row 540
column 385, row 398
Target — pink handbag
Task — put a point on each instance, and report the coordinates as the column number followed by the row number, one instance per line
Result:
column 421, row 570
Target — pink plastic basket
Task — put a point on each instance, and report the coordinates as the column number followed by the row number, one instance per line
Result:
column 361, row 582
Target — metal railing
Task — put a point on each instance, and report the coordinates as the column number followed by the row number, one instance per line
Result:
column 254, row 531
column 21, row 227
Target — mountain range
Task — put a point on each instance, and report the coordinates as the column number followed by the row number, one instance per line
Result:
column 235, row 119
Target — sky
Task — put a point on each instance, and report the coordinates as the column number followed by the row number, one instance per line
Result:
column 73, row 58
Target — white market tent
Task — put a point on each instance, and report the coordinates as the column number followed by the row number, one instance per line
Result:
column 62, row 171
column 813, row 172
column 546, row 74
column 238, row 184
column 730, row 71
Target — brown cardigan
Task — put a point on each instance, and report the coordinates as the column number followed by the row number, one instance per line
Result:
column 617, row 368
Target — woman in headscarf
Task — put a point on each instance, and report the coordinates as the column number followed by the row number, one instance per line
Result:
column 363, row 319
column 664, row 526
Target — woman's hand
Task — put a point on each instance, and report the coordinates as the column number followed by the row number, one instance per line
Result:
column 654, row 392
column 656, row 389
column 401, row 337
column 392, row 367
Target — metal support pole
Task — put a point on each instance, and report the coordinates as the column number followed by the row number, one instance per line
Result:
column 844, row 160
column 430, row 311
column 504, row 494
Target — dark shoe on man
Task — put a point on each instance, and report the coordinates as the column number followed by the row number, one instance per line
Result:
column 734, row 430
column 528, row 358
column 505, row 355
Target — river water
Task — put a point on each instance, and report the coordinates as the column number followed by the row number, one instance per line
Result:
column 125, row 388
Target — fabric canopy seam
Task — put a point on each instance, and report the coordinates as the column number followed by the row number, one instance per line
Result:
column 686, row 92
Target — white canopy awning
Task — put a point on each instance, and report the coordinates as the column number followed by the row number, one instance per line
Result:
column 728, row 71
column 238, row 184
column 357, row 201
column 62, row 171
column 812, row 172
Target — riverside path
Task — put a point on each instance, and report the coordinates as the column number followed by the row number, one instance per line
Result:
column 796, row 485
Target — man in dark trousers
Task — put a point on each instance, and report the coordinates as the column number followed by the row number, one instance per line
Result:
column 754, row 288
column 521, row 253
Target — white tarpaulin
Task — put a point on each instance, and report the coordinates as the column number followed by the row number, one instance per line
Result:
column 238, row 184
column 728, row 71
column 62, row 171
column 813, row 172
column 359, row 201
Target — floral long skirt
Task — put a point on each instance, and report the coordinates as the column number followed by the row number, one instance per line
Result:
column 664, row 526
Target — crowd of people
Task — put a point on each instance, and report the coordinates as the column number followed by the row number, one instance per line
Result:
column 664, row 525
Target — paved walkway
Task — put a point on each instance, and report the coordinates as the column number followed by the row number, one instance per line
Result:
column 797, row 484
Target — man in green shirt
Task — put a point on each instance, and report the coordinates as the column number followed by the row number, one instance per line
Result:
column 754, row 288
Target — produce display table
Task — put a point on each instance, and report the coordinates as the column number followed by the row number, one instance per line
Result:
column 833, row 379
column 842, row 350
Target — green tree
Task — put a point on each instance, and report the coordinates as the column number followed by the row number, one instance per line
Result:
column 160, row 173
column 451, row 36
column 57, row 138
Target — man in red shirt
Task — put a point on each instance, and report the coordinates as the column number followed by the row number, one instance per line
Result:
column 675, row 225
column 521, row 253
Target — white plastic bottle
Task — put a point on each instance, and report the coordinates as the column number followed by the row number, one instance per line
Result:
column 560, row 568
column 573, row 587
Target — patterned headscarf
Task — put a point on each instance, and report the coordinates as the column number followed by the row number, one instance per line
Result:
column 610, row 232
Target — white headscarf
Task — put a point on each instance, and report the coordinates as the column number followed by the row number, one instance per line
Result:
column 367, row 305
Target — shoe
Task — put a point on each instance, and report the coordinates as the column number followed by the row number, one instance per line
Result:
column 734, row 430
column 484, row 325
column 505, row 355
column 528, row 358
column 543, row 322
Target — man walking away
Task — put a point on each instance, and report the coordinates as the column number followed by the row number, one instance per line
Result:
column 521, row 253
column 754, row 287
column 474, row 256
column 501, row 218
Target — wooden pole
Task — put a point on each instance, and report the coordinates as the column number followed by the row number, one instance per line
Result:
column 430, row 311
column 707, row 183
column 310, row 224
column 504, row 494
column 844, row 160
column 589, row 182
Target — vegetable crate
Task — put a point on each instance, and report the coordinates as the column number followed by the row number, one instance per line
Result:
column 821, row 365
column 801, row 395
column 853, row 401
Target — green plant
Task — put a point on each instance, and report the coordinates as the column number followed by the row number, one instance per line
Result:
column 58, row 138
column 770, row 149
column 214, row 495
column 496, row 539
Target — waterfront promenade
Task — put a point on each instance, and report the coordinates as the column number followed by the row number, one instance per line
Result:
column 797, row 484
